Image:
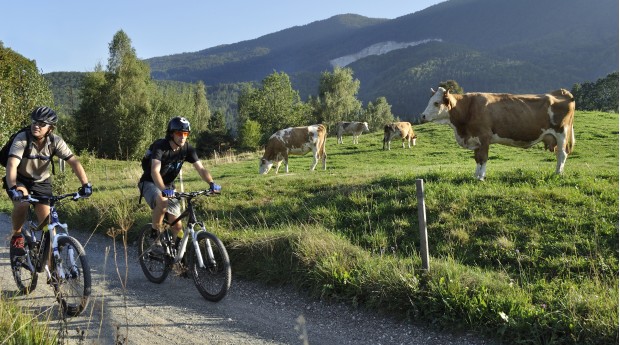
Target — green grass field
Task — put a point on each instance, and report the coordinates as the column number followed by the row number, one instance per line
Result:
column 526, row 256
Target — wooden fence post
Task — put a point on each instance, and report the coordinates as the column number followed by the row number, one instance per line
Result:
column 419, row 183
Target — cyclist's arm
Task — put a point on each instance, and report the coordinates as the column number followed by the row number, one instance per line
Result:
column 11, row 171
column 204, row 173
column 157, row 179
column 78, row 170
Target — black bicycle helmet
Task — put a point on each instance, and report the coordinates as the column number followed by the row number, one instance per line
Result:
column 44, row 114
column 178, row 124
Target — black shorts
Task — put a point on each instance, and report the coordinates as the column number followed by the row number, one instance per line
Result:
column 43, row 188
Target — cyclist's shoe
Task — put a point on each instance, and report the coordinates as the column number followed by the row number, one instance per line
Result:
column 154, row 233
column 17, row 246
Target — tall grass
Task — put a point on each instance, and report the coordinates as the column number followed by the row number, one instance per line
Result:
column 525, row 256
column 19, row 326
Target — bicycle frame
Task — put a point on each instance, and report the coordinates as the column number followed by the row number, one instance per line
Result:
column 49, row 238
column 189, row 230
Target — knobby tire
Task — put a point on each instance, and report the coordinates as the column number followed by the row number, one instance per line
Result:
column 72, row 291
column 213, row 281
column 155, row 267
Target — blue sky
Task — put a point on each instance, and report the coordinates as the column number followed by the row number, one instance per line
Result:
column 71, row 35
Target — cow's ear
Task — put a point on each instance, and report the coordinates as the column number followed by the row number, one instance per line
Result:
column 446, row 99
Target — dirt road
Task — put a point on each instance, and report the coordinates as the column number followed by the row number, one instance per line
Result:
column 132, row 310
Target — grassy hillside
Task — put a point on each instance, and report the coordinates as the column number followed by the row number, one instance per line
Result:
column 525, row 256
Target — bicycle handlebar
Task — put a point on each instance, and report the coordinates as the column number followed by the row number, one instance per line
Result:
column 189, row 195
column 74, row 196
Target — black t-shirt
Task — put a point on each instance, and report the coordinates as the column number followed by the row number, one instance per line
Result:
column 171, row 161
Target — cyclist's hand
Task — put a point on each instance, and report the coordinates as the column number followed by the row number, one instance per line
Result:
column 168, row 193
column 14, row 194
column 86, row 190
column 214, row 188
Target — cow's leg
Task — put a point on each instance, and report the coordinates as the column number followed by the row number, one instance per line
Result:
column 481, row 155
column 324, row 160
column 339, row 138
column 560, row 153
column 315, row 158
column 278, row 166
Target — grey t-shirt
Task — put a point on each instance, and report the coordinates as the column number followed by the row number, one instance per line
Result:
column 37, row 165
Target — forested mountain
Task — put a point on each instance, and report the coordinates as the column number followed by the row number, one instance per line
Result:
column 526, row 46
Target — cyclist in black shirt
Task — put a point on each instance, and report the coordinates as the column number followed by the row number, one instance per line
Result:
column 162, row 165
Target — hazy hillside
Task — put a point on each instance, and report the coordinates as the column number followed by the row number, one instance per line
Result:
column 485, row 45
column 525, row 46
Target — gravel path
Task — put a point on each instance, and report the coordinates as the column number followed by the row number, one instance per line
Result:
column 142, row 313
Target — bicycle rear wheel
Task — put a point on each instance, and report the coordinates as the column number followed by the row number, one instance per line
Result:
column 213, row 280
column 155, row 266
column 72, row 285
column 24, row 273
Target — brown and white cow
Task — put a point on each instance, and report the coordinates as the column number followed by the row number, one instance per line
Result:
column 402, row 130
column 295, row 141
column 355, row 128
column 482, row 119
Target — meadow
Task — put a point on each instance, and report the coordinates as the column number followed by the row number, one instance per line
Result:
column 526, row 256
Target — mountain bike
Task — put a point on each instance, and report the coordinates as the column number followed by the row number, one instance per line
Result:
column 54, row 252
column 206, row 259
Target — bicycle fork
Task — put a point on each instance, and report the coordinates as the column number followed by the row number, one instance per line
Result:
column 194, row 234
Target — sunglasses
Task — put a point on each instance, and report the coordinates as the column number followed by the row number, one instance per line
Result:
column 181, row 134
column 39, row 124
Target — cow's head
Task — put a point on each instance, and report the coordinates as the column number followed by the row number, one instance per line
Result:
column 264, row 165
column 365, row 129
column 438, row 106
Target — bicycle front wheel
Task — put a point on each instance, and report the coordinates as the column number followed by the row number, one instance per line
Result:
column 71, row 276
column 213, row 280
column 155, row 265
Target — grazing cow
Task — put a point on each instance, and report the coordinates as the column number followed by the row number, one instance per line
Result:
column 402, row 130
column 355, row 128
column 297, row 141
column 481, row 119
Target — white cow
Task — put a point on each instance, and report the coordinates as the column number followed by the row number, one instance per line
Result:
column 355, row 128
column 296, row 141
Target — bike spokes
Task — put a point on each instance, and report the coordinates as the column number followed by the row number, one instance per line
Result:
column 213, row 278
column 155, row 263
column 71, row 276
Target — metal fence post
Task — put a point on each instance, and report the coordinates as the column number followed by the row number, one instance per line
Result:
column 419, row 183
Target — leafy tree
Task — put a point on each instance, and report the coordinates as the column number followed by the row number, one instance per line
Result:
column 338, row 97
column 275, row 105
column 22, row 88
column 378, row 113
column 202, row 114
column 249, row 135
column 215, row 139
column 600, row 95
column 122, row 110
column 452, row 86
